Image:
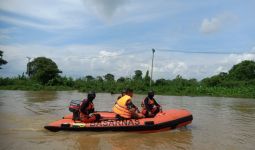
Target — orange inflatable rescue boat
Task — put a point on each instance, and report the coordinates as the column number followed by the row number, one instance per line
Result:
column 166, row 120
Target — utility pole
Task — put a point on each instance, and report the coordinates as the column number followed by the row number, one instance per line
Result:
column 28, row 67
column 153, row 51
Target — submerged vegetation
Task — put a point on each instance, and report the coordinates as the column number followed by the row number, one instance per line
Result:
column 44, row 75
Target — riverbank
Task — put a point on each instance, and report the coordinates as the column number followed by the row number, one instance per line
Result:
column 238, row 82
column 236, row 92
column 36, row 88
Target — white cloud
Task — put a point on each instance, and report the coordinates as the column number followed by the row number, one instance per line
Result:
column 215, row 24
column 73, row 60
column 16, row 57
column 174, row 67
column 209, row 26
column 80, row 60
column 105, row 54
column 220, row 69
column 97, row 59
column 181, row 68
column 226, row 63
column 237, row 58
column 169, row 68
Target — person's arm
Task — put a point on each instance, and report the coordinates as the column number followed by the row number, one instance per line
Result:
column 84, row 105
column 160, row 108
column 146, row 104
column 131, row 106
column 93, row 110
column 156, row 103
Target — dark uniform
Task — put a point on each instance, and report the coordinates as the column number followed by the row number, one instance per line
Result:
column 87, row 109
column 150, row 105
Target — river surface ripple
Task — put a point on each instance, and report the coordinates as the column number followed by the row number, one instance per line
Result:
column 219, row 123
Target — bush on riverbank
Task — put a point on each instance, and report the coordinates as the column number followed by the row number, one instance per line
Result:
column 238, row 82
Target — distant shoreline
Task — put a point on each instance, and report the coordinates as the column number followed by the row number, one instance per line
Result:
column 239, row 81
column 237, row 92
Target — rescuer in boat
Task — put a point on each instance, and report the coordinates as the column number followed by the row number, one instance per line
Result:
column 150, row 107
column 87, row 109
column 125, row 109
column 123, row 92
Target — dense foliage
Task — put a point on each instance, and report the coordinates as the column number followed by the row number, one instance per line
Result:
column 243, row 71
column 238, row 82
column 43, row 70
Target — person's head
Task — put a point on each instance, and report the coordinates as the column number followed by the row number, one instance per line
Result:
column 129, row 92
column 123, row 92
column 151, row 94
column 91, row 95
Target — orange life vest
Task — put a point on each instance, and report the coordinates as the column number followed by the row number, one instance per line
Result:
column 154, row 108
column 150, row 102
column 120, row 107
column 89, row 109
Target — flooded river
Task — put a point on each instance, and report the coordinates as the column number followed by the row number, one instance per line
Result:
column 219, row 123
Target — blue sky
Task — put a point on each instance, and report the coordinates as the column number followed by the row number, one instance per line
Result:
column 91, row 36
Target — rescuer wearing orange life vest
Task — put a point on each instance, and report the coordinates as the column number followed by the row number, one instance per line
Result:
column 149, row 105
column 125, row 109
column 87, row 109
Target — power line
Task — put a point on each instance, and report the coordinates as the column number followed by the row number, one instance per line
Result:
column 202, row 52
column 102, row 56
column 147, row 51
column 167, row 50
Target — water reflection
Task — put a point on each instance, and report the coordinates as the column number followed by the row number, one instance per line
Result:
column 42, row 102
column 41, row 96
column 177, row 139
column 88, row 142
column 247, row 107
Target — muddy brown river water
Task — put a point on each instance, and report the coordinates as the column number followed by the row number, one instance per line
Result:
column 219, row 123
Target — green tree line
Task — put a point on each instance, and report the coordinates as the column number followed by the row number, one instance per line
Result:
column 43, row 74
